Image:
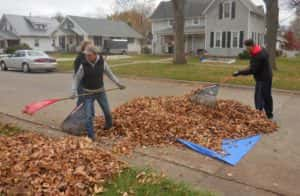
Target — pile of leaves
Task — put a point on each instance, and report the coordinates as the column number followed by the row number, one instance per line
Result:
column 152, row 121
column 33, row 164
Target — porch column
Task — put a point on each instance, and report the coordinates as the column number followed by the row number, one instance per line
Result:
column 186, row 38
column 193, row 44
column 162, row 44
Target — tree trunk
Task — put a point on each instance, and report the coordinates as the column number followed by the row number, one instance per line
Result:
column 178, row 8
column 272, row 28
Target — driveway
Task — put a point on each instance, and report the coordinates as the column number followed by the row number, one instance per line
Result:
column 272, row 168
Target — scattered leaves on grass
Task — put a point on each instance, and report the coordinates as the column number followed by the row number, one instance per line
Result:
column 33, row 164
column 152, row 121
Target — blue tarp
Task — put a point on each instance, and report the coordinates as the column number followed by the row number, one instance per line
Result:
column 234, row 150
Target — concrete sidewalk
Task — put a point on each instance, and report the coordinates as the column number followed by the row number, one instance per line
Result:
column 271, row 168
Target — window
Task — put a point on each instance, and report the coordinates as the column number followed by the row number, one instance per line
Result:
column 218, row 40
column 130, row 40
column 171, row 23
column 241, row 39
column 53, row 42
column 233, row 10
column 221, row 11
column 196, row 21
column 226, row 10
column 212, row 38
column 228, row 39
column 36, row 53
column 234, row 39
column 256, row 37
column 98, row 41
column 36, row 42
column 223, row 39
column 20, row 54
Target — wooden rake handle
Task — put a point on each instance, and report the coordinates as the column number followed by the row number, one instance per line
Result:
column 92, row 93
column 226, row 79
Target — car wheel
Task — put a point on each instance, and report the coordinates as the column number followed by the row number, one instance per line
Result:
column 25, row 68
column 3, row 66
column 124, row 52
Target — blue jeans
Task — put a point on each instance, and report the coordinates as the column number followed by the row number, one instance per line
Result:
column 80, row 99
column 89, row 111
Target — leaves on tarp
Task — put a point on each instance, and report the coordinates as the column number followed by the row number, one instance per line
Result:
column 33, row 164
column 152, row 121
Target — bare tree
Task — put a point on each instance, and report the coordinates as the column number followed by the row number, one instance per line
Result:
column 59, row 17
column 272, row 28
column 179, row 20
column 294, row 3
column 136, row 14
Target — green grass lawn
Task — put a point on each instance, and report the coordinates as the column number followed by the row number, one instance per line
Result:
column 8, row 130
column 63, row 55
column 286, row 77
column 143, row 183
column 65, row 66
column 68, row 65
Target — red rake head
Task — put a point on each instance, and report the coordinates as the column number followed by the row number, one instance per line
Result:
column 32, row 108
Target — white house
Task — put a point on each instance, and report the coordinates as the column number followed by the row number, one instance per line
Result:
column 74, row 29
column 33, row 31
column 217, row 26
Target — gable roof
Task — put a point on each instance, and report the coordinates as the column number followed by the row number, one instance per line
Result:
column 193, row 8
column 259, row 10
column 254, row 8
column 103, row 27
column 196, row 8
column 22, row 25
column 4, row 35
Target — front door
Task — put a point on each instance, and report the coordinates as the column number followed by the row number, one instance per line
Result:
column 62, row 42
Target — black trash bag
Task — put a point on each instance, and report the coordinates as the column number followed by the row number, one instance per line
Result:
column 74, row 124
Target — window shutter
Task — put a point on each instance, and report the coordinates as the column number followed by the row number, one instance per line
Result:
column 223, row 39
column 233, row 9
column 221, row 11
column 228, row 39
column 212, row 39
column 241, row 39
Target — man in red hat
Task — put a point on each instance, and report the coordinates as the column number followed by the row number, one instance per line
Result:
column 261, row 69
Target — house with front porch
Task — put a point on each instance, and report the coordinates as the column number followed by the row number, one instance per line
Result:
column 74, row 29
column 216, row 26
column 34, row 31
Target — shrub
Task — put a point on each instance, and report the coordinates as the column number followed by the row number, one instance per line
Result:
column 12, row 49
column 146, row 50
column 244, row 55
column 279, row 53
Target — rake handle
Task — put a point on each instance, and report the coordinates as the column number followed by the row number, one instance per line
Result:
column 226, row 79
column 92, row 93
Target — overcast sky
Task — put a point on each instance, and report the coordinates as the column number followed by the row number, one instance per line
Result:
column 70, row 7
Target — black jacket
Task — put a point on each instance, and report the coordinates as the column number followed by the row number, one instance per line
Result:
column 80, row 59
column 260, row 67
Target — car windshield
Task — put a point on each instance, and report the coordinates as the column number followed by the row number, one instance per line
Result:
column 36, row 53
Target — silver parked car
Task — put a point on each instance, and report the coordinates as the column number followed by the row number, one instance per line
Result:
column 27, row 61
